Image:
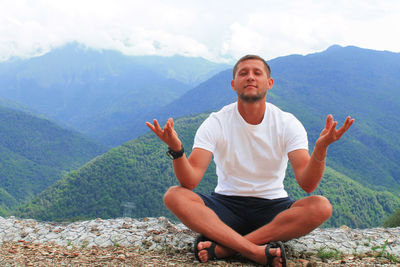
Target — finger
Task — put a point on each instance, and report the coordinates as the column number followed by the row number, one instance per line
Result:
column 346, row 122
column 346, row 125
column 330, row 132
column 329, row 120
column 150, row 126
column 157, row 126
column 169, row 126
column 333, row 128
column 351, row 122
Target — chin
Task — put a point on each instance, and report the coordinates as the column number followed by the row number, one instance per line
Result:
column 251, row 98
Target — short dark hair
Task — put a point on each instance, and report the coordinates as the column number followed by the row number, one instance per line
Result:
column 247, row 57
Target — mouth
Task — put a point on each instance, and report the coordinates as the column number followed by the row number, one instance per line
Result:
column 250, row 85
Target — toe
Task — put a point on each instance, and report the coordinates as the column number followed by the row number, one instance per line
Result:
column 277, row 260
column 203, row 254
column 203, row 245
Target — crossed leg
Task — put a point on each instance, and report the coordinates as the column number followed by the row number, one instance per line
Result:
column 303, row 217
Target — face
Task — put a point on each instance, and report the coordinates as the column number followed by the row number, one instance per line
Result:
column 251, row 81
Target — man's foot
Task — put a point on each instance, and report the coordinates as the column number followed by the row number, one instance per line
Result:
column 275, row 254
column 206, row 250
column 272, row 254
column 209, row 250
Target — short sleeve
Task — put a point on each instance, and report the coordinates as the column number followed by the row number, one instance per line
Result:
column 206, row 134
column 295, row 135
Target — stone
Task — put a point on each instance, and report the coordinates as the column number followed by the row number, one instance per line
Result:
column 159, row 234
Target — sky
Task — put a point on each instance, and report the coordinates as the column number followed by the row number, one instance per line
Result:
column 218, row 30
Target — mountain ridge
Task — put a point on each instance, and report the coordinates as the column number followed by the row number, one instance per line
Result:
column 94, row 91
column 295, row 91
column 341, row 81
column 139, row 172
column 34, row 152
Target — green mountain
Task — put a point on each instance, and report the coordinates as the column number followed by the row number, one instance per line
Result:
column 363, row 174
column 96, row 92
column 393, row 220
column 35, row 152
column 140, row 172
column 349, row 81
column 342, row 81
column 7, row 202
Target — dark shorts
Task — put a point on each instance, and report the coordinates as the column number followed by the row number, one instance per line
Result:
column 245, row 214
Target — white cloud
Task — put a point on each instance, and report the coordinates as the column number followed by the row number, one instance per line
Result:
column 215, row 30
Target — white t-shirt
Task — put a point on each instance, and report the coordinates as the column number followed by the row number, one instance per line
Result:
column 251, row 160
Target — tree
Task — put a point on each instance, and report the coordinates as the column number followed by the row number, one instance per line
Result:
column 393, row 220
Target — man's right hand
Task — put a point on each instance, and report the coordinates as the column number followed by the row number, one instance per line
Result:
column 167, row 135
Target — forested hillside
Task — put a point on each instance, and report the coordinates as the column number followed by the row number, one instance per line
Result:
column 349, row 81
column 362, row 178
column 140, row 172
column 342, row 81
column 35, row 152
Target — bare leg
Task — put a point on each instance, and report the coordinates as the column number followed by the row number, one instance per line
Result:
column 192, row 211
column 304, row 216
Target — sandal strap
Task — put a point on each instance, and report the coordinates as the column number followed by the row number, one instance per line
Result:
column 270, row 257
column 210, row 250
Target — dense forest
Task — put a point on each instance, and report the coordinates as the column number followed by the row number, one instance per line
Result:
column 140, row 172
column 393, row 220
column 109, row 96
column 34, row 153
column 342, row 81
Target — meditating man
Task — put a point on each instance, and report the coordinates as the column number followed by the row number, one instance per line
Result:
column 251, row 141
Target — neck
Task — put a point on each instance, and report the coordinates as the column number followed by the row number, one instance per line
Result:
column 252, row 113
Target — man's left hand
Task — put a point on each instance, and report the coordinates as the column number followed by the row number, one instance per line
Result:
column 329, row 134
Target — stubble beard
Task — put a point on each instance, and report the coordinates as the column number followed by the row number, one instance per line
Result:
column 252, row 98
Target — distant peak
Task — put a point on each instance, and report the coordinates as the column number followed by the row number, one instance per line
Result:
column 334, row 47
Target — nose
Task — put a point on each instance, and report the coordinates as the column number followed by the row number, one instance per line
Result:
column 250, row 77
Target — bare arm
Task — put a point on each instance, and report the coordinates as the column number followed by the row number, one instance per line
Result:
column 309, row 170
column 188, row 171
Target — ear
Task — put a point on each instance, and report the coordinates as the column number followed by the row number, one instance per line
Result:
column 270, row 83
column 233, row 84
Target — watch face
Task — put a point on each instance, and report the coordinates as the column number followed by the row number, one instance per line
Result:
column 170, row 155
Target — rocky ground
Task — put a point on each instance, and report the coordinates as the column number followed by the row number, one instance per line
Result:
column 158, row 242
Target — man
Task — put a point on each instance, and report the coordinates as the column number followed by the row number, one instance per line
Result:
column 251, row 141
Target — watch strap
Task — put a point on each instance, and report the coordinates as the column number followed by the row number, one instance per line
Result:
column 175, row 154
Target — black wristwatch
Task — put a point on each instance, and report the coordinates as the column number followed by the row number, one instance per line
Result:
column 175, row 154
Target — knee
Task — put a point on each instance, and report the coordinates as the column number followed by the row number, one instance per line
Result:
column 174, row 196
column 322, row 208
column 170, row 195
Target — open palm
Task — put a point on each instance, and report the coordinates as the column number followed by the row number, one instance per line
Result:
column 329, row 134
column 168, row 135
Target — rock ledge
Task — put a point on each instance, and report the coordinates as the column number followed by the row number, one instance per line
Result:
column 159, row 234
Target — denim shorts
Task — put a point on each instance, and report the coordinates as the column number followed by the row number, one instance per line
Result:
column 245, row 214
